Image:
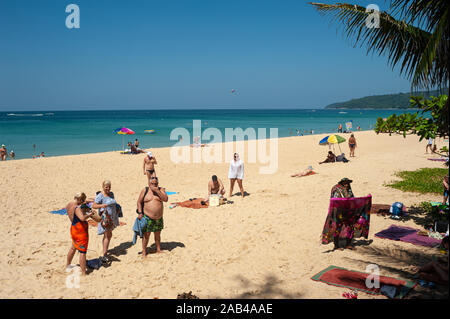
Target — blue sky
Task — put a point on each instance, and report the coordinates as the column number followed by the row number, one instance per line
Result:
column 144, row 54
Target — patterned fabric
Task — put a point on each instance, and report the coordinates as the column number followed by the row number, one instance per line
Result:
column 339, row 191
column 347, row 218
column 153, row 225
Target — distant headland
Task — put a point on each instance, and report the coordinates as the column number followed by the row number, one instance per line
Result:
column 386, row 101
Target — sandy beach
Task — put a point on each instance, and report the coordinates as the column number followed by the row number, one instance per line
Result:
column 266, row 245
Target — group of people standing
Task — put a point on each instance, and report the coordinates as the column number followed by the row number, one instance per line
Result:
column 4, row 153
column 149, row 210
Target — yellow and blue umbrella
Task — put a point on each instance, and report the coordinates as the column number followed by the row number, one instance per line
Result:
column 123, row 131
column 332, row 139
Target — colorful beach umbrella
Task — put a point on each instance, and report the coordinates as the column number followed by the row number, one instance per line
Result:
column 123, row 131
column 332, row 139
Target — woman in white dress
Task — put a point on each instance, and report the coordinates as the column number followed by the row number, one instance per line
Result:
column 236, row 172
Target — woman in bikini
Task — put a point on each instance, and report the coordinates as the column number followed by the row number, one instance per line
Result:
column 352, row 145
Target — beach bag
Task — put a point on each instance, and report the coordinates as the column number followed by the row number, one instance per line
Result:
column 214, row 200
column 396, row 209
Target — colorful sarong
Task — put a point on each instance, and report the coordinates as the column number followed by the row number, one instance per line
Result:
column 347, row 218
column 80, row 236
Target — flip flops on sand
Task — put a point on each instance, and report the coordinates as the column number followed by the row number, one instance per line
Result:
column 350, row 295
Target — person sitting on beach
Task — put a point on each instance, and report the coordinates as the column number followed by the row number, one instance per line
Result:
column 3, row 153
column 150, row 206
column 79, row 231
column 215, row 186
column 134, row 149
column 342, row 190
column 106, row 204
column 436, row 271
column 149, row 165
column 306, row 172
column 331, row 158
column 446, row 185
column 341, row 158
column 136, row 143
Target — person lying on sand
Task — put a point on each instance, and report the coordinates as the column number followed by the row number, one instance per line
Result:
column 331, row 158
column 306, row 172
column 436, row 271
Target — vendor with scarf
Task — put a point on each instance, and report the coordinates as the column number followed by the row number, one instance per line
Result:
column 342, row 190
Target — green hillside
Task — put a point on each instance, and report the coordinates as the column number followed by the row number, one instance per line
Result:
column 387, row 101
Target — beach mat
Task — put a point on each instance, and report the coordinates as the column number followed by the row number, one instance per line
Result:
column 438, row 159
column 380, row 209
column 341, row 277
column 408, row 235
column 194, row 203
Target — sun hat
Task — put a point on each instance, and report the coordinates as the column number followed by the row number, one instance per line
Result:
column 345, row 180
column 149, row 154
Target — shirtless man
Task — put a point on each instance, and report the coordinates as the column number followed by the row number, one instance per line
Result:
column 149, row 165
column 215, row 186
column 150, row 206
column 3, row 153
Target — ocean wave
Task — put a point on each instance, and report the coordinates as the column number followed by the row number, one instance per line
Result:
column 21, row 114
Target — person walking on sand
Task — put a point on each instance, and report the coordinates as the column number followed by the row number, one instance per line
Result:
column 236, row 173
column 149, row 165
column 150, row 206
column 446, row 185
column 79, row 231
column 352, row 145
column 107, row 209
column 3, row 153
column 429, row 145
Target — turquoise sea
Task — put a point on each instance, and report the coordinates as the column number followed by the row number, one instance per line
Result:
column 78, row 132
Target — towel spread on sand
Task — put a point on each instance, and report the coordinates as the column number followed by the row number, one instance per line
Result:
column 59, row 212
column 195, row 203
column 438, row 159
column 342, row 277
column 347, row 218
column 409, row 235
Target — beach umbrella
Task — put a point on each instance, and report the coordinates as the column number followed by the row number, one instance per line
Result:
column 123, row 131
column 331, row 140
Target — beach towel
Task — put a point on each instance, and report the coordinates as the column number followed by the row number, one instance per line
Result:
column 139, row 225
column 171, row 193
column 380, row 209
column 409, row 235
column 341, row 277
column 438, row 159
column 59, row 212
column 195, row 203
column 347, row 218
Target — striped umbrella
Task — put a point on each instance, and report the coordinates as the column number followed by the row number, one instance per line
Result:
column 123, row 131
column 332, row 139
